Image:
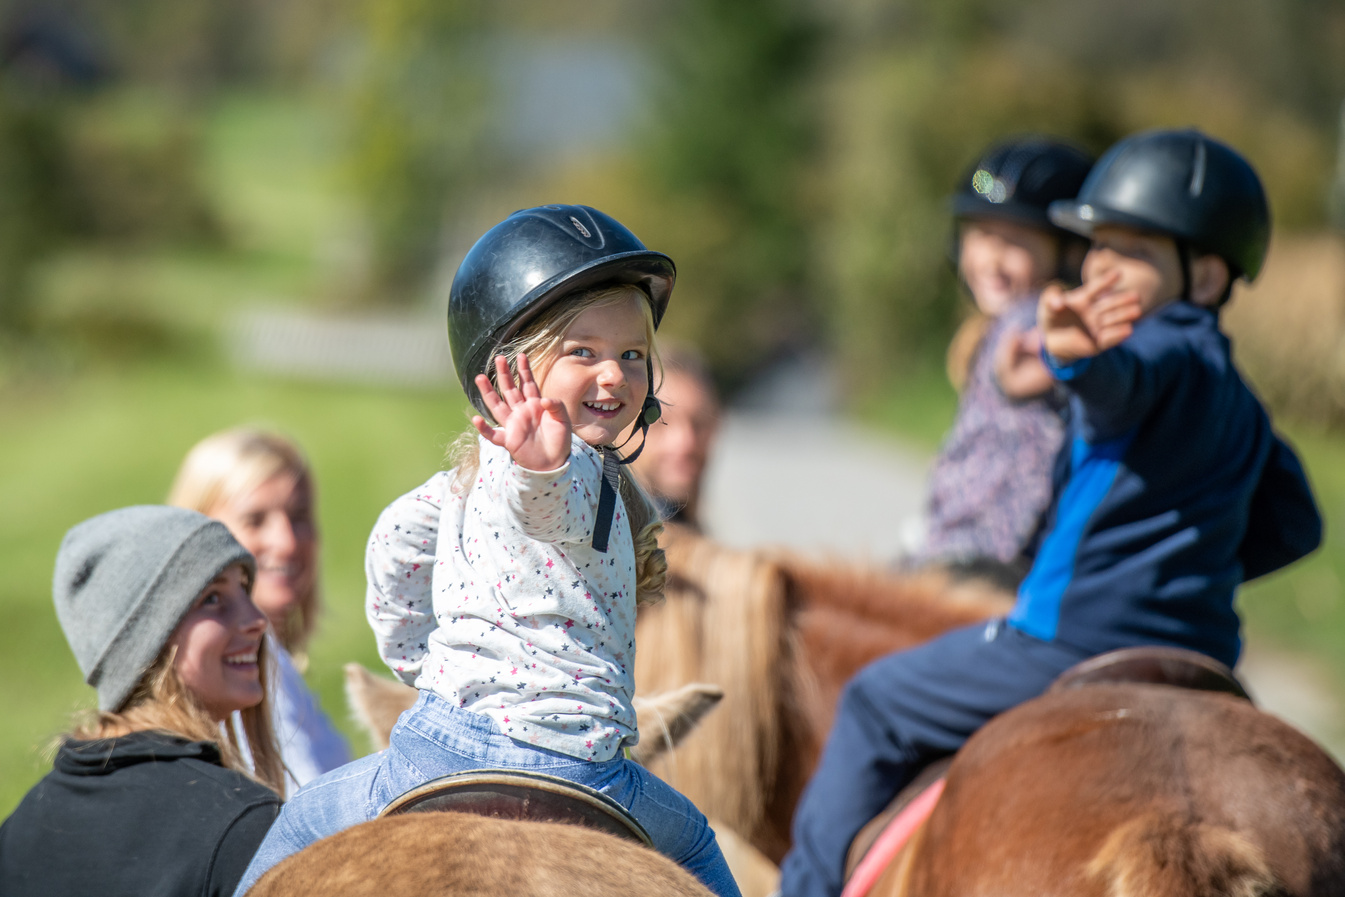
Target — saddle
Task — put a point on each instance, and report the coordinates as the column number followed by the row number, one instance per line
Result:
column 522, row 796
column 1154, row 665
column 1149, row 664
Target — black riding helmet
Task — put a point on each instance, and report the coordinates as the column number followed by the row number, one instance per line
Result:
column 522, row 265
column 1198, row 191
column 1017, row 180
column 1020, row 178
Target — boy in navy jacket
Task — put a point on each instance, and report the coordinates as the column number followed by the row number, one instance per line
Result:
column 1173, row 488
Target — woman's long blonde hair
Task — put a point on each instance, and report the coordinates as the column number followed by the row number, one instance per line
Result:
column 162, row 701
column 540, row 341
column 228, row 465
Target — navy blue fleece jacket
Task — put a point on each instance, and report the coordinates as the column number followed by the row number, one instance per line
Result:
column 1172, row 489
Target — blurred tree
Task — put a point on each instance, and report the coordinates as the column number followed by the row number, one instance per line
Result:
column 916, row 89
column 83, row 158
column 734, row 135
column 34, row 201
column 418, row 115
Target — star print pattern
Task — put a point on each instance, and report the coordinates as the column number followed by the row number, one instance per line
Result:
column 496, row 601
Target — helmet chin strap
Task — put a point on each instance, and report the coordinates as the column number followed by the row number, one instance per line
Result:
column 650, row 411
column 1184, row 260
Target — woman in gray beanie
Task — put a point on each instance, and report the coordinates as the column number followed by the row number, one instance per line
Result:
column 151, row 796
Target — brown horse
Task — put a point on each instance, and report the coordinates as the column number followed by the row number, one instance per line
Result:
column 781, row 636
column 1098, row 790
column 1132, row 790
column 462, row 855
column 664, row 720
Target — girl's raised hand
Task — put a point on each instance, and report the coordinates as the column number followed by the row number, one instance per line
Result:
column 534, row 430
column 1087, row 320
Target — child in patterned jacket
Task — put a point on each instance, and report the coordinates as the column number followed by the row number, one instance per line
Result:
column 991, row 482
column 505, row 589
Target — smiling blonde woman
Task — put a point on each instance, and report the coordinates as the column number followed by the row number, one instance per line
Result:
column 259, row 485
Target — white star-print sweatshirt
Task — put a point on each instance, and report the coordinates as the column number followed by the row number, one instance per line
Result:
column 496, row 601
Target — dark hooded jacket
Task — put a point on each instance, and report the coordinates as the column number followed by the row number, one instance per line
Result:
column 148, row 814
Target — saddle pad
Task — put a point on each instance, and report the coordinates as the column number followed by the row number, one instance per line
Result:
column 892, row 840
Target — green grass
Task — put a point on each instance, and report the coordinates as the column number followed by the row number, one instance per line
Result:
column 80, row 434
column 112, row 437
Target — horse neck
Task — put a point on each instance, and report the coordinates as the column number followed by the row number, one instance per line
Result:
column 846, row 616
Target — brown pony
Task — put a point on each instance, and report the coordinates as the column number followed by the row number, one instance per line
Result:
column 1107, row 791
column 781, row 637
column 463, row 855
column 1132, row 790
column 663, row 719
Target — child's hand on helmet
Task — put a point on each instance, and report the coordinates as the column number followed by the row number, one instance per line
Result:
column 1087, row 320
column 534, row 430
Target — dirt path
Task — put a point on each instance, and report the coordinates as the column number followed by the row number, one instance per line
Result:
column 788, row 472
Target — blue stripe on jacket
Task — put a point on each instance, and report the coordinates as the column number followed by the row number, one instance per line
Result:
column 1178, row 488
column 1093, row 469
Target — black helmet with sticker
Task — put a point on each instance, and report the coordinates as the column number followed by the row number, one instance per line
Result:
column 1180, row 183
column 1019, row 178
column 524, row 264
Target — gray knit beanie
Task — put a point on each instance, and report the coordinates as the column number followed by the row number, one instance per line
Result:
column 123, row 582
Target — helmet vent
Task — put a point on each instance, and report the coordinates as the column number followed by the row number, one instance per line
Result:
column 1198, row 170
column 583, row 231
column 989, row 186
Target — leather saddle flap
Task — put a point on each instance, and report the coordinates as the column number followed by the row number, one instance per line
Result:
column 523, row 796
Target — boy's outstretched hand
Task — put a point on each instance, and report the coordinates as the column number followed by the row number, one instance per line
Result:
column 534, row 430
column 1087, row 320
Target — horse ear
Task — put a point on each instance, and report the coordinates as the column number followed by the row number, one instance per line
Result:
column 666, row 718
column 375, row 702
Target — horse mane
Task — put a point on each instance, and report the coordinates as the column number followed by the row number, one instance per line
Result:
column 781, row 636
column 1168, row 854
column 722, row 621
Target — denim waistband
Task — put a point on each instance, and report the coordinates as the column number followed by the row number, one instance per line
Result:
column 473, row 736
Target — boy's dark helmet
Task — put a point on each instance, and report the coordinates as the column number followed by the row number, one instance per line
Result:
column 534, row 257
column 1018, row 180
column 1180, row 183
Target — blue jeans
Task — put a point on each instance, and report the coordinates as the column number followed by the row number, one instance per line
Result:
column 435, row 738
column 896, row 716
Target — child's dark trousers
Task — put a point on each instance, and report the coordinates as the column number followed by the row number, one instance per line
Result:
column 898, row 714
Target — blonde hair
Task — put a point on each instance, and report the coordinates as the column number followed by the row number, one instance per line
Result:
column 162, row 701
column 540, row 340
column 230, row 464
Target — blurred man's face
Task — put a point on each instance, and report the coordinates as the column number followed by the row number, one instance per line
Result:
column 678, row 447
